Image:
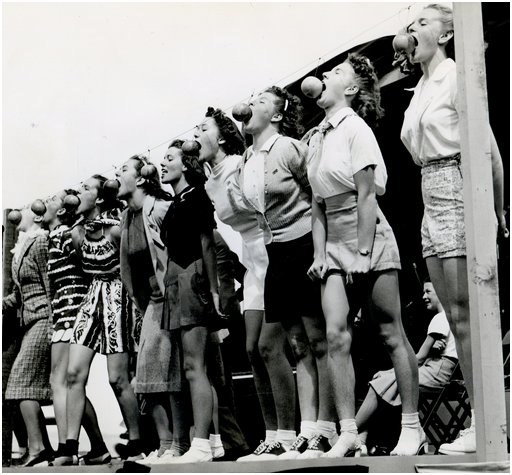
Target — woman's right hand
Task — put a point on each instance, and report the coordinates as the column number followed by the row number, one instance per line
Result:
column 318, row 269
column 502, row 225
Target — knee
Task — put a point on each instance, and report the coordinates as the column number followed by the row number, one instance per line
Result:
column 268, row 351
column 338, row 340
column 391, row 340
column 191, row 368
column 75, row 377
column 318, row 347
column 252, row 352
column 118, row 381
column 300, row 348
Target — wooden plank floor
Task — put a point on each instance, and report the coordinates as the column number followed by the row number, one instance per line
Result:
column 374, row 465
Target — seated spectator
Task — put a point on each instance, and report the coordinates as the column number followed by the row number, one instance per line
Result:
column 437, row 359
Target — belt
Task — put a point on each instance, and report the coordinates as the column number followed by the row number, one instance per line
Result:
column 444, row 161
column 451, row 358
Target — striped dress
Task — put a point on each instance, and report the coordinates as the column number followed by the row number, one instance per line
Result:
column 104, row 321
column 68, row 283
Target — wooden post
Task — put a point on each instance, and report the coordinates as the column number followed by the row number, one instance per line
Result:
column 480, row 235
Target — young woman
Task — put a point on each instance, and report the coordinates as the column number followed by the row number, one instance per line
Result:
column 143, row 259
column 68, row 286
column 102, row 324
column 191, row 289
column 28, row 383
column 437, row 359
column 431, row 134
column 222, row 147
column 355, row 246
column 273, row 180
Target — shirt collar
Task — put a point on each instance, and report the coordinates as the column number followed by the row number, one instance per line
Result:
column 339, row 116
column 268, row 143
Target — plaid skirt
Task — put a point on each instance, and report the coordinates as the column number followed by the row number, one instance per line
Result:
column 30, row 373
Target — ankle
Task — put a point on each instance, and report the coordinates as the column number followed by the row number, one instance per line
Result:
column 71, row 447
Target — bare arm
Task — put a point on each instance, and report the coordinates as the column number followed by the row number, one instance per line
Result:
column 497, row 182
column 425, row 349
column 319, row 266
column 210, row 262
column 366, row 219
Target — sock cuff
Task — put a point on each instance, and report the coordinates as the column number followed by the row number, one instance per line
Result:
column 203, row 444
column 348, row 425
column 285, row 435
column 270, row 435
column 411, row 418
column 215, row 438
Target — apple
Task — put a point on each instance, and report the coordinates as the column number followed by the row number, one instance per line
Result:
column 38, row 207
column 148, row 171
column 191, row 148
column 404, row 43
column 71, row 201
column 112, row 185
column 312, row 87
column 14, row 216
column 242, row 112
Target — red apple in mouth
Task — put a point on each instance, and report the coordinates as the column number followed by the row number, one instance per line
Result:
column 14, row 217
column 148, row 171
column 191, row 148
column 312, row 87
column 242, row 112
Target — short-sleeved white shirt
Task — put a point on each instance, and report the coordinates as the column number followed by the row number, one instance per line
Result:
column 439, row 325
column 431, row 122
column 348, row 147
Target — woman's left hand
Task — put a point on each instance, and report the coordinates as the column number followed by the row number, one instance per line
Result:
column 502, row 224
column 361, row 265
column 216, row 304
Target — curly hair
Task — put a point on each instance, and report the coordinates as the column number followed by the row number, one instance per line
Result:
column 367, row 100
column 151, row 185
column 234, row 142
column 290, row 107
column 194, row 173
column 446, row 18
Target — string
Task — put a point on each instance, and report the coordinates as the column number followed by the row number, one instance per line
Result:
column 294, row 73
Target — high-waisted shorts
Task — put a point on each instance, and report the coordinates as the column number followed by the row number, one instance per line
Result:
column 289, row 292
column 442, row 228
column 342, row 244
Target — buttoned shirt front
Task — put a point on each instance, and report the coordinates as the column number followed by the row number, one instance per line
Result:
column 431, row 122
column 348, row 147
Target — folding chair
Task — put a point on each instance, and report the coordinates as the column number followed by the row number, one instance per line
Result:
column 453, row 398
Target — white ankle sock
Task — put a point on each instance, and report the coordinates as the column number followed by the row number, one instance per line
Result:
column 473, row 418
column 307, row 429
column 270, row 436
column 326, row 428
column 363, row 436
column 411, row 420
column 201, row 444
column 348, row 425
column 286, row 437
column 215, row 440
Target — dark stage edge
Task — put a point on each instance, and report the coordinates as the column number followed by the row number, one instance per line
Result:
column 370, row 464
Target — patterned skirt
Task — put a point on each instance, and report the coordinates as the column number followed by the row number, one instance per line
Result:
column 104, row 322
column 30, row 373
column 66, row 303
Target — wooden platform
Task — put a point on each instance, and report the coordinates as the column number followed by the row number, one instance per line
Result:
column 347, row 465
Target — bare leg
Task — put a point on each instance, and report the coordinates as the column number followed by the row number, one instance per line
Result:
column 367, row 409
column 316, row 331
column 272, row 350
column 450, row 281
column 386, row 309
column 90, row 425
column 215, row 411
column 307, row 375
column 80, row 359
column 253, row 328
column 30, row 410
column 194, row 344
column 180, row 409
column 161, row 413
column 339, row 340
column 119, row 378
column 58, row 381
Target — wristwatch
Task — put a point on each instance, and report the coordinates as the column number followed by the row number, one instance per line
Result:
column 364, row 252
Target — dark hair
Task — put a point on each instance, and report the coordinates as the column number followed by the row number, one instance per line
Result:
column 194, row 173
column 234, row 143
column 446, row 17
column 427, row 280
column 290, row 107
column 108, row 199
column 367, row 100
column 151, row 185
